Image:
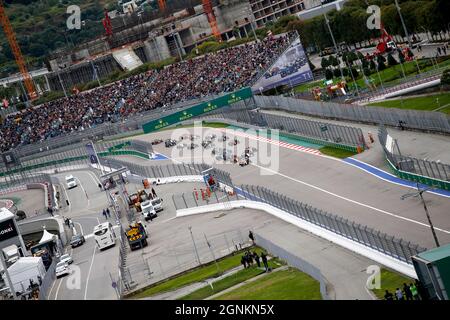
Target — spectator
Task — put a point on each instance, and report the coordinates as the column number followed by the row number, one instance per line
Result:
column 388, row 296
column 407, row 292
column 250, row 235
column 398, row 294
column 414, row 291
column 256, row 257
column 212, row 74
column 264, row 260
column 249, row 258
column 244, row 261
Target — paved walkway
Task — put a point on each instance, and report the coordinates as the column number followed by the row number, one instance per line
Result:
column 181, row 292
column 245, row 282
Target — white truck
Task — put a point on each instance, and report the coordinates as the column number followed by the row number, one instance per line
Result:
column 11, row 254
column 157, row 204
column 148, row 211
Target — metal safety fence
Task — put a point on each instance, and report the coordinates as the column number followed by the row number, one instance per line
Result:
column 321, row 131
column 396, row 248
column 424, row 171
column 418, row 120
column 169, row 170
column 294, row 261
column 75, row 157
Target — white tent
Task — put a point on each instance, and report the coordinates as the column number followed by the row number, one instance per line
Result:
column 47, row 237
column 24, row 269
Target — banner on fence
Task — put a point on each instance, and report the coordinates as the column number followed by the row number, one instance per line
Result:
column 93, row 158
column 390, row 144
column 197, row 110
column 291, row 69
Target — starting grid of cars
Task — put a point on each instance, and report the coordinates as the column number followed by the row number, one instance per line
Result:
column 192, row 142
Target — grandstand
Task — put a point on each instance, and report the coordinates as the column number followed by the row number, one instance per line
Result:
column 212, row 74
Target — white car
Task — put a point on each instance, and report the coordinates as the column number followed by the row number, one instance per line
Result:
column 157, row 204
column 66, row 258
column 62, row 269
column 147, row 210
column 70, row 181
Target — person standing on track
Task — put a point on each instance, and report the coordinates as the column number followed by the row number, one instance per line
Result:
column 104, row 214
column 108, row 213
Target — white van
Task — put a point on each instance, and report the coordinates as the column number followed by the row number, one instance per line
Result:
column 148, row 211
column 70, row 182
column 157, row 204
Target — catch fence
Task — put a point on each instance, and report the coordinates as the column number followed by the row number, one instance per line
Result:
column 411, row 119
column 424, row 171
column 394, row 247
column 317, row 132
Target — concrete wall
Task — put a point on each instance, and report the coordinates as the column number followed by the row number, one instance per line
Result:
column 156, row 49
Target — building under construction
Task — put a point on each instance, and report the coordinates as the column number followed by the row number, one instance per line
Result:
column 138, row 37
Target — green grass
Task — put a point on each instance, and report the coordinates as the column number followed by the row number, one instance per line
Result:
column 337, row 153
column 308, row 86
column 289, row 284
column 228, row 282
column 427, row 103
column 390, row 280
column 197, row 275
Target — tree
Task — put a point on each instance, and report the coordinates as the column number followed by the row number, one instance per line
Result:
column 325, row 63
column 445, row 79
column 381, row 66
column 391, row 60
column 367, row 71
column 337, row 73
column 354, row 72
column 372, row 65
column 328, row 74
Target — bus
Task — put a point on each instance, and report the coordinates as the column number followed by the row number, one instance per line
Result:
column 104, row 235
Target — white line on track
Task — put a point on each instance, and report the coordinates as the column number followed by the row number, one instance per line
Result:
column 84, row 190
column 350, row 200
column 81, row 228
column 89, row 273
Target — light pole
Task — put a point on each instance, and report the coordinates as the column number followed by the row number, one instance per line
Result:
column 403, row 23
column 62, row 84
column 195, row 246
column 419, row 194
column 250, row 15
column 94, row 67
column 333, row 39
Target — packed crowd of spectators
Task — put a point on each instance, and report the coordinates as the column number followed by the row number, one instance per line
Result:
column 211, row 74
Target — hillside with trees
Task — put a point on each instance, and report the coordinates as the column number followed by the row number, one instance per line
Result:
column 40, row 27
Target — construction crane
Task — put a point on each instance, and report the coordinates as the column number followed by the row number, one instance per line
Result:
column 208, row 8
column 162, row 5
column 11, row 36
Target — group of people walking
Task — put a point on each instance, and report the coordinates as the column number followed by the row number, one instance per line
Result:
column 249, row 258
column 106, row 213
column 413, row 291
